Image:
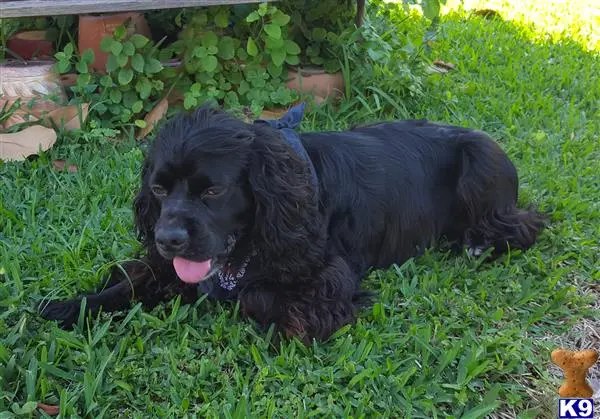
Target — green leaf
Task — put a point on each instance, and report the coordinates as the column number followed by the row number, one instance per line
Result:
column 332, row 65
column 273, row 30
column 153, row 66
column 292, row 59
column 158, row 85
column 222, row 18
column 317, row 60
column 139, row 41
column 210, row 63
column 280, row 19
column 262, row 9
column 231, row 99
column 200, row 52
column 106, row 44
column 252, row 17
column 278, row 57
column 129, row 98
column 140, row 123
column 274, row 70
column 27, row 409
column 81, row 67
column 144, row 87
column 480, row 411
column 165, row 54
column 116, row 48
column 137, row 106
column 251, row 48
column 125, row 115
column 106, row 81
column 137, row 63
column 122, row 60
column 313, row 51
column 195, row 89
column 189, row 102
column 111, row 64
column 115, row 109
column 431, row 8
column 120, row 32
column 63, row 66
column 272, row 43
column 84, row 79
column 68, row 49
column 125, row 76
column 319, row 34
column 128, row 48
column 227, row 48
column 88, row 56
column 291, row 47
column 115, row 95
column 244, row 87
column 235, row 77
column 101, row 108
column 209, row 39
column 242, row 54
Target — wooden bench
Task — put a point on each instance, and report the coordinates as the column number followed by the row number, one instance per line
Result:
column 26, row 8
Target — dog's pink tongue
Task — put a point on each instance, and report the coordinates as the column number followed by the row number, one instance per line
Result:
column 190, row 271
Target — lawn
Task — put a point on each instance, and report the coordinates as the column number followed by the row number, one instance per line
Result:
column 448, row 336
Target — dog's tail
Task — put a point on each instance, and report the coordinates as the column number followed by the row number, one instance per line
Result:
column 511, row 228
column 488, row 191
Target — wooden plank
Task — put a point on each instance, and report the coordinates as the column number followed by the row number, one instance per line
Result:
column 23, row 8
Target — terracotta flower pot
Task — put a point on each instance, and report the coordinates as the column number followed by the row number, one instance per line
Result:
column 92, row 28
column 316, row 81
column 29, row 44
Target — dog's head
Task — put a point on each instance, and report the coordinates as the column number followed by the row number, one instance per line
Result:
column 210, row 182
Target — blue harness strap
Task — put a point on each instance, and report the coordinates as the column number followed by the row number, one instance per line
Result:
column 287, row 124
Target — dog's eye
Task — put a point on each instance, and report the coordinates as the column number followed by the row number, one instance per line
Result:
column 213, row 191
column 158, row 190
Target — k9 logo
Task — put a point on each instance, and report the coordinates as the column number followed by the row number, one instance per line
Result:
column 576, row 408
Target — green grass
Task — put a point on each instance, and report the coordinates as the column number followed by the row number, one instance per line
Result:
column 448, row 335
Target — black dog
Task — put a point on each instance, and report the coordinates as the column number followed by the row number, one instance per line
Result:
column 289, row 223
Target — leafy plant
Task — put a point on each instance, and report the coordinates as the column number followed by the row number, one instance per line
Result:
column 382, row 61
column 430, row 8
column 9, row 27
column 217, row 65
column 56, row 27
column 316, row 29
column 131, row 82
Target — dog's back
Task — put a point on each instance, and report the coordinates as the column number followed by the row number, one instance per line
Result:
column 403, row 185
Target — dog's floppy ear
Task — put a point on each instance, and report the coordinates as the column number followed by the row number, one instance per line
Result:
column 146, row 207
column 287, row 221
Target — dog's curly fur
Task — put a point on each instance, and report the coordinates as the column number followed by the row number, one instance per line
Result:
column 385, row 193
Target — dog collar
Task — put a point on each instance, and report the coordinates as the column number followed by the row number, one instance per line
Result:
column 287, row 124
column 223, row 285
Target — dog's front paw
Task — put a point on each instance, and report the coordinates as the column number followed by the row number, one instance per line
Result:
column 316, row 319
column 65, row 312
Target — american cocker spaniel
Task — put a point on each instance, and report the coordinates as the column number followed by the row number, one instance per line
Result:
column 288, row 223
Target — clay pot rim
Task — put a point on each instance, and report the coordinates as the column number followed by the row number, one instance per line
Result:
column 110, row 14
column 43, row 32
column 9, row 62
column 310, row 71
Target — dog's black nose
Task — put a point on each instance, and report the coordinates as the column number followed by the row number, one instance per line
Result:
column 172, row 239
